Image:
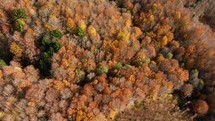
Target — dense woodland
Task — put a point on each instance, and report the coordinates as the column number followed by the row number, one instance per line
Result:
column 104, row 60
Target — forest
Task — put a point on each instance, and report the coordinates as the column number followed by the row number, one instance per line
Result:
column 107, row 60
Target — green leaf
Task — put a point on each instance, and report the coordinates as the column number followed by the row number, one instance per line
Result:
column 50, row 51
column 139, row 105
column 80, row 74
column 19, row 13
column 80, row 32
column 56, row 33
column 138, row 63
column 193, row 5
column 118, row 66
column 45, row 41
column 201, row 84
column 2, row 63
column 169, row 55
column 194, row 73
column 56, row 46
column 19, row 26
column 147, row 61
column 102, row 69
column 46, row 56
column 96, row 50
column 127, row 66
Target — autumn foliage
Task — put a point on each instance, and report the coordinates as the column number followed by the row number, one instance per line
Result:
column 92, row 60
